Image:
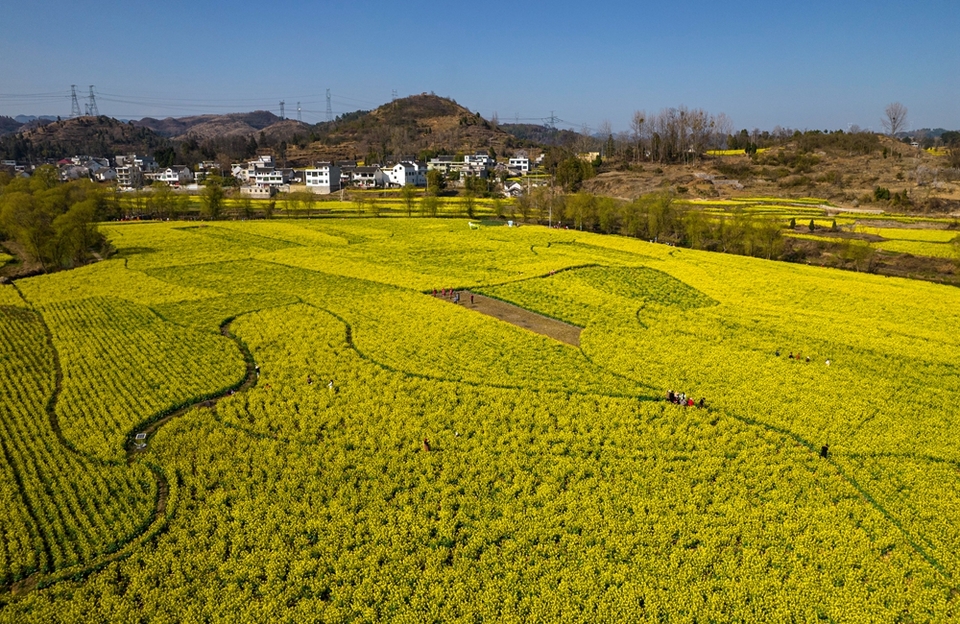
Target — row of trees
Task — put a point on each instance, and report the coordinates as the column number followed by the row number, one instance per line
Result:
column 55, row 223
column 657, row 217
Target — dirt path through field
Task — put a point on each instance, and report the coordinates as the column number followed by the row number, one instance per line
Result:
column 531, row 321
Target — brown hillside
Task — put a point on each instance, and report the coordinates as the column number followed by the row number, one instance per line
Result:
column 9, row 125
column 845, row 179
column 404, row 127
column 96, row 136
column 203, row 127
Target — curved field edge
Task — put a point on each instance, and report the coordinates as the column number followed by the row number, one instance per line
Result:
column 167, row 492
column 812, row 448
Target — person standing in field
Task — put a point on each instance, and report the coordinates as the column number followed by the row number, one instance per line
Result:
column 471, row 299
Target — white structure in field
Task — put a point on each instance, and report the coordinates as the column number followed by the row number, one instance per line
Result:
column 258, row 192
column 404, row 173
column 324, row 178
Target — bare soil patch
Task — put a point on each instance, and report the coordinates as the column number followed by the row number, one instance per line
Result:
column 22, row 266
column 531, row 321
column 904, row 225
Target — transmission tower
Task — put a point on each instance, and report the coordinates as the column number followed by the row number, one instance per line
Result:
column 92, row 106
column 75, row 105
column 299, row 116
column 552, row 120
column 393, row 94
column 329, row 107
column 281, row 109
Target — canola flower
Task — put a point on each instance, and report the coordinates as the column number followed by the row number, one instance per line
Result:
column 401, row 458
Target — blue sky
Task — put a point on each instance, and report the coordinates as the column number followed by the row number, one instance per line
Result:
column 808, row 65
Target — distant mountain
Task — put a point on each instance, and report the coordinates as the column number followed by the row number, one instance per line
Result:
column 207, row 126
column 94, row 136
column 9, row 125
column 928, row 132
column 541, row 135
column 414, row 126
column 25, row 119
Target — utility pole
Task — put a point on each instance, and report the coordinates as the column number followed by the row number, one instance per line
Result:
column 281, row 109
column 93, row 104
column 329, row 107
column 74, row 104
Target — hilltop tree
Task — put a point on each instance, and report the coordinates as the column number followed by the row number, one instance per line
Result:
column 896, row 118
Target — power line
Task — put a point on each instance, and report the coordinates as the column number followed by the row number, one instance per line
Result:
column 74, row 104
column 92, row 106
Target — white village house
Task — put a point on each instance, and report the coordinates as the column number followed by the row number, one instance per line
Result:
column 176, row 175
column 324, row 178
column 404, row 173
column 273, row 177
column 519, row 164
column 369, row 177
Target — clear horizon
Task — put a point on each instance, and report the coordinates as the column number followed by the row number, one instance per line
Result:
column 820, row 66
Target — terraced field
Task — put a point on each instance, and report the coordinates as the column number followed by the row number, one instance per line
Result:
column 289, row 421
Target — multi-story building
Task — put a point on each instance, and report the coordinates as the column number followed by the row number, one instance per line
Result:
column 176, row 175
column 404, row 173
column 324, row 178
column 519, row 164
column 480, row 158
column 369, row 177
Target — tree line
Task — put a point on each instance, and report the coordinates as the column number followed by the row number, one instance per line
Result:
column 658, row 217
column 54, row 223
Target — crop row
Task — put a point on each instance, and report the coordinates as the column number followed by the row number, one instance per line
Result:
column 527, row 506
column 59, row 508
column 123, row 365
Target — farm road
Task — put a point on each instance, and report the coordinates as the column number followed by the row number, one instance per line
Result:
column 531, row 321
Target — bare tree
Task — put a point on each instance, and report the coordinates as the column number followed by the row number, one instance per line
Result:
column 701, row 127
column 896, row 119
column 722, row 128
column 636, row 124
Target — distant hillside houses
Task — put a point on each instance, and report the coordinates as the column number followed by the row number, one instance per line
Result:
column 262, row 177
column 329, row 177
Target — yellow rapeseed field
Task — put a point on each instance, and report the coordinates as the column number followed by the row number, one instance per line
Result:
column 350, row 445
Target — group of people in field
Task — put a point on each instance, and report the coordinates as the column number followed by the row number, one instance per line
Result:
column 680, row 398
column 449, row 293
column 800, row 358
